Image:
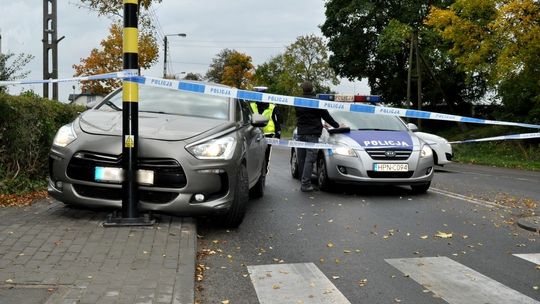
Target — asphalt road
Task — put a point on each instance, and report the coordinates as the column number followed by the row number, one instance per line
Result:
column 378, row 244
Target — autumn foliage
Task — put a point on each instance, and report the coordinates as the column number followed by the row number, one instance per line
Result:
column 109, row 59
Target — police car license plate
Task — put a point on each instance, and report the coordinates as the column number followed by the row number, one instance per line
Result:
column 115, row 175
column 391, row 167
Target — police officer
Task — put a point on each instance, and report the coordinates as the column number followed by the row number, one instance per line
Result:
column 309, row 129
column 270, row 112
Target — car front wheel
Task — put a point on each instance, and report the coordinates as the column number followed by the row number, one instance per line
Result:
column 235, row 215
column 294, row 165
column 322, row 175
column 422, row 188
column 258, row 190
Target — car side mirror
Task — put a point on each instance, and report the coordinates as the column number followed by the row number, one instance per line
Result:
column 257, row 120
column 412, row 127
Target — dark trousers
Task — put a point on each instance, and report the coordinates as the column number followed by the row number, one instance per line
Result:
column 306, row 159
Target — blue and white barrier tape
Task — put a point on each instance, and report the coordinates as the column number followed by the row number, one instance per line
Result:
column 504, row 137
column 298, row 144
column 123, row 74
column 197, row 87
column 224, row 91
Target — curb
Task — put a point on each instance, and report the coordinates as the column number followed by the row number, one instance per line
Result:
column 184, row 286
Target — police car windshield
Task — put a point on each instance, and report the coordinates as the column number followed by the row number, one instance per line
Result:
column 173, row 102
column 364, row 121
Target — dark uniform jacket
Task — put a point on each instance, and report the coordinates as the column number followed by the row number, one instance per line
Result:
column 308, row 121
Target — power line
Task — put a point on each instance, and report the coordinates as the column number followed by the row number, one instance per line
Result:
column 228, row 46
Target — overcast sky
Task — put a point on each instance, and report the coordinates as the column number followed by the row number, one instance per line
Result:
column 261, row 29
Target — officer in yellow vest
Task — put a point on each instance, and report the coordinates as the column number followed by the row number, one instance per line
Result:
column 271, row 112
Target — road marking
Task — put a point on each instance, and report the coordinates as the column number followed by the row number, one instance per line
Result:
column 456, row 283
column 294, row 283
column 471, row 200
column 531, row 257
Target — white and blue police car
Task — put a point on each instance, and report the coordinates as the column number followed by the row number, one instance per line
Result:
column 374, row 149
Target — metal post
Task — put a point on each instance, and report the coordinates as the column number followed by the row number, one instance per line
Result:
column 419, row 79
column 409, row 72
column 165, row 57
column 165, row 47
column 130, row 124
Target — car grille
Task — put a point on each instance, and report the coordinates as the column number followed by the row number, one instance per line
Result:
column 380, row 154
column 168, row 173
column 155, row 197
column 448, row 156
column 375, row 174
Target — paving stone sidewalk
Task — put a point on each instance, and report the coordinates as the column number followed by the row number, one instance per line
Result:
column 54, row 253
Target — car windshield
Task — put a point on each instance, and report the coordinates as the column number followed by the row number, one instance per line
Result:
column 365, row 121
column 174, row 102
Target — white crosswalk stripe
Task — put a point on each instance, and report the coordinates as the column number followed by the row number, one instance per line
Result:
column 294, row 283
column 531, row 257
column 456, row 283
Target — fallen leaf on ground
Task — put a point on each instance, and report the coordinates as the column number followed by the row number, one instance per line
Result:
column 443, row 235
column 330, row 245
column 423, row 237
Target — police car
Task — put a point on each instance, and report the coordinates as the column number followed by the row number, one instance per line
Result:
column 374, row 149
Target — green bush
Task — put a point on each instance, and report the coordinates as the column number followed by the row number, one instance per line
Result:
column 28, row 124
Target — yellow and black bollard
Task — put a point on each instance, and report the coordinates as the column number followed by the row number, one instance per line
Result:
column 130, row 124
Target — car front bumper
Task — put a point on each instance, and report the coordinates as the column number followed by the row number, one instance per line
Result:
column 359, row 169
column 214, row 179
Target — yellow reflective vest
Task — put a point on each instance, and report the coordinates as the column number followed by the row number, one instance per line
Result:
column 270, row 128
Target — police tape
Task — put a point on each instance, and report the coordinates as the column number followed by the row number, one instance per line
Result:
column 497, row 138
column 298, row 144
column 225, row 91
column 123, row 74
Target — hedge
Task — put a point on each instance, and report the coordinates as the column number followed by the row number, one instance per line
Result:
column 28, row 124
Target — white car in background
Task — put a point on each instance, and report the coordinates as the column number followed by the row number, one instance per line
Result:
column 442, row 149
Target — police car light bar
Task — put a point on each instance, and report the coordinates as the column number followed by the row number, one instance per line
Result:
column 349, row 98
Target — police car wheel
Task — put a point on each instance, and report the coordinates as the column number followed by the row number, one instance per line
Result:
column 294, row 164
column 322, row 175
column 420, row 189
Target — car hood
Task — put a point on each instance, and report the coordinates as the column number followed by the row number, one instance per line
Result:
column 151, row 125
column 365, row 139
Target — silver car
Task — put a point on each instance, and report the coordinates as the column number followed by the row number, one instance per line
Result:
column 378, row 149
column 198, row 155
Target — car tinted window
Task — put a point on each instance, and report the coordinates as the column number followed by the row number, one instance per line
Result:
column 366, row 121
column 173, row 102
column 246, row 111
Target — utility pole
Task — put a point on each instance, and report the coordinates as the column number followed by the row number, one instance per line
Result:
column 50, row 46
column 165, row 46
column 414, row 52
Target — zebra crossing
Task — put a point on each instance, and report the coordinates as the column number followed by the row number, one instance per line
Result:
column 304, row 283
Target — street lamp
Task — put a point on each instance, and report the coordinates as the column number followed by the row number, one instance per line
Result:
column 165, row 52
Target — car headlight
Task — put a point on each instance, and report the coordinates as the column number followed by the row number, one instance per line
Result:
column 344, row 151
column 221, row 148
column 426, row 152
column 65, row 136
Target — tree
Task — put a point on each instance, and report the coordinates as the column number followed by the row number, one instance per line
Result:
column 215, row 72
column 371, row 39
column 232, row 68
column 238, row 71
column 113, row 7
column 501, row 39
column 193, row 76
column 110, row 57
column 307, row 59
column 12, row 71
